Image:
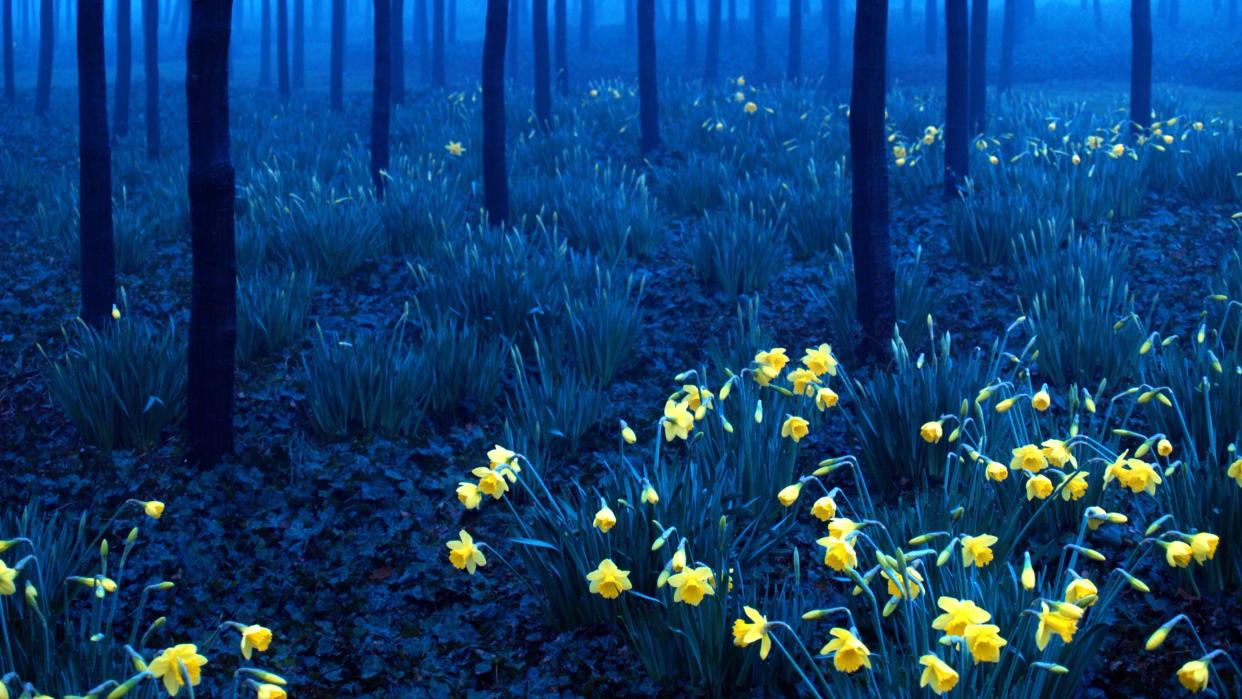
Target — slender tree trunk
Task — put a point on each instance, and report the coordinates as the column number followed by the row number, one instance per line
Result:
column 514, row 38
column 794, row 69
column 711, row 64
column 732, row 21
column 299, row 44
column 282, row 47
column 874, row 277
column 586, row 19
column 151, row 74
column 398, row 51
column 758, row 15
column 437, row 43
column 495, row 178
column 979, row 65
column 692, row 32
column 931, row 26
column 543, row 87
column 95, row 179
column 265, row 55
column 381, row 97
column 47, row 40
column 422, row 39
column 629, row 17
column 561, row 50
column 124, row 65
column 674, row 18
column 957, row 43
column 452, row 21
column 1140, row 66
column 10, row 92
column 832, row 8
column 648, row 95
column 1008, row 29
column 337, row 67
column 213, row 299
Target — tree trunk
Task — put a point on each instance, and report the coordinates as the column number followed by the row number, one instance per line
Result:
column 673, row 16
column 282, row 47
column 151, row 73
column 648, row 95
column 265, row 51
column 832, row 8
column 495, row 179
column 95, row 176
column 692, row 32
column 10, row 92
column 629, row 17
column 907, row 12
column 543, row 87
column 758, row 15
column 213, row 300
column 732, row 21
column 381, row 97
column 931, row 27
column 299, row 44
column 47, row 39
column 874, row 277
column 1009, row 27
column 561, row 50
column 957, row 118
column 1099, row 14
column 337, row 67
column 1140, row 66
column 1175, row 13
column 422, row 39
column 586, row 18
column 794, row 69
column 452, row 22
column 437, row 43
column 512, row 42
column 711, row 64
column 398, row 51
column 979, row 65
column 124, row 65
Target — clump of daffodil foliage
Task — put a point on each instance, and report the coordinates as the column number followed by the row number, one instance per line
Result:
column 999, row 576
column 72, row 625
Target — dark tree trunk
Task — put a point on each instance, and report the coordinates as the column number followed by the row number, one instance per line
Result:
column 561, row 50
column 513, row 41
column 648, row 95
column 1009, row 26
column 1140, row 66
column 794, row 69
column 732, row 21
column 337, row 67
column 543, row 87
column 47, row 39
column 931, row 27
column 957, row 43
column 213, row 300
column 151, row 73
column 692, row 32
column 299, row 44
column 495, row 178
column 874, row 277
column 711, row 64
column 832, row 8
column 398, row 51
column 758, row 15
column 381, row 97
column 95, row 177
column 452, row 22
column 437, row 43
column 282, row 47
column 422, row 39
column 586, row 20
column 265, row 51
column 10, row 92
column 673, row 16
column 978, row 65
column 629, row 17
column 124, row 65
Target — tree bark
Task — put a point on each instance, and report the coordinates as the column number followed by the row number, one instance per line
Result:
column 560, row 49
column 495, row 178
column 282, row 47
column 692, row 32
column 124, row 65
column 381, row 96
column 758, row 15
column 337, row 67
column 874, row 277
column 299, row 44
column 543, row 87
column 957, row 47
column 711, row 63
column 648, row 94
column 832, row 8
column 452, row 22
column 47, row 40
column 794, row 69
column 10, row 92
column 1140, row 67
column 979, row 65
column 931, row 26
column 398, row 51
column 151, row 74
column 422, row 39
column 95, row 176
column 1009, row 27
column 213, row 301
column 513, row 41
column 437, row 43
column 265, row 51
column 586, row 20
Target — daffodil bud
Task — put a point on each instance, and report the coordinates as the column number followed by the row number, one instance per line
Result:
column 1158, row 636
column 7, row 544
column 1028, row 573
column 814, row 614
column 1164, row 400
column 1142, row 450
column 103, row 549
column 1051, row 667
column 956, row 513
column 133, row 536
column 957, row 432
column 1146, row 346
column 923, row 538
column 32, row 595
column 890, row 606
column 1136, row 583
column 683, row 376
column 1088, row 552
column 1117, row 518
column 1145, row 397
column 1005, row 405
column 627, row 433
column 265, row 676
column 658, row 543
column 1155, row 526
column 943, row 558
column 122, row 689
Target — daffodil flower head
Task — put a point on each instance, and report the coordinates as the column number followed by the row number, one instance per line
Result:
column 937, row 674
column 692, row 585
column 167, row 666
column 609, row 581
column 464, row 554
column 254, row 637
column 746, row 633
column 848, row 652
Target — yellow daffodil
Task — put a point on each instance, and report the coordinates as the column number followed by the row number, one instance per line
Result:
column 977, row 551
column 993, row 160
column 1028, row 573
column 1060, row 620
column 1235, row 472
column 1194, row 675
column 839, row 553
column 1080, row 588
column 1058, row 454
column 463, row 553
column 455, row 149
column 825, row 398
column 770, row 364
column 500, row 456
column 908, row 584
column 255, row 637
column 608, row 581
column 116, row 312
column 1075, row 488
column 491, row 481
column 931, row 432
column 153, row 509
column 803, row 381
column 650, row 496
column 605, row 519
column 1164, row 447
column 627, row 433
column 1076, row 159
column 1028, row 458
column 849, row 653
column 167, row 667
column 900, row 152
column 1118, row 150
column 984, row 642
column 1203, row 546
column 1094, row 142
column 789, row 494
column 795, row 428
column 958, row 614
column 1137, row 475
column 746, row 633
column 937, row 674
column 8, row 579
column 678, row 420
column 996, row 471
column 469, row 495
column 739, row 96
column 840, row 526
column 750, row 108
column 824, row 509
column 1038, row 487
column 692, row 585
column 820, row 360
column 270, row 691
column 697, row 397
column 1041, row 401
